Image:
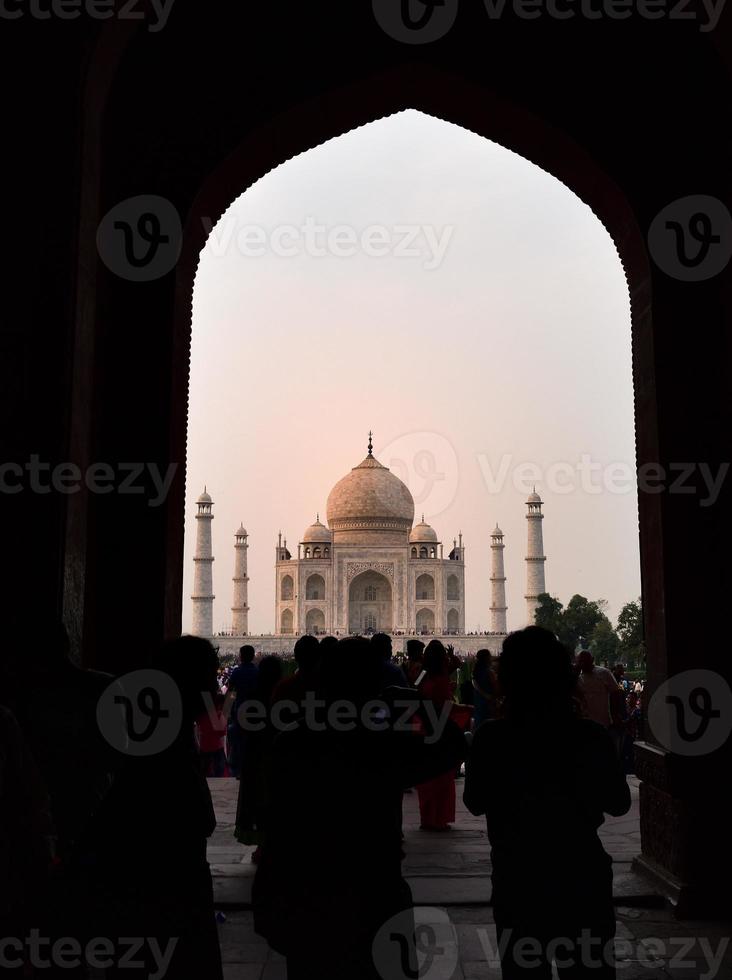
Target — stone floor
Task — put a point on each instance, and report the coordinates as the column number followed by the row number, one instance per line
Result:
column 448, row 874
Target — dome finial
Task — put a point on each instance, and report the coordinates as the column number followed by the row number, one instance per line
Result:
column 371, row 445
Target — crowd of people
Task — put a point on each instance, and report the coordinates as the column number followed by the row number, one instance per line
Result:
column 95, row 842
column 604, row 695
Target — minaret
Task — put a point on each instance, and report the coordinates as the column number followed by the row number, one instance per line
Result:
column 240, row 609
column 498, row 583
column 535, row 557
column 203, row 596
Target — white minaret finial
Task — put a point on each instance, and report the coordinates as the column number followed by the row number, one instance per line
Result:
column 535, row 556
column 240, row 608
column 203, row 596
column 498, row 583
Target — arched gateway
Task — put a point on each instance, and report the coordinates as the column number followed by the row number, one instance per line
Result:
column 370, row 605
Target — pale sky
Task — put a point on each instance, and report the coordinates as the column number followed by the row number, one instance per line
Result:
column 505, row 340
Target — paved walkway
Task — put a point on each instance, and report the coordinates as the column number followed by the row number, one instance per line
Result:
column 443, row 869
column 450, row 872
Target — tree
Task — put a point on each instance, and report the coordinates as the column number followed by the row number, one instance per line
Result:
column 579, row 620
column 549, row 613
column 604, row 643
column 630, row 631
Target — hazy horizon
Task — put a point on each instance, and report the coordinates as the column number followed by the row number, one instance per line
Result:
column 504, row 340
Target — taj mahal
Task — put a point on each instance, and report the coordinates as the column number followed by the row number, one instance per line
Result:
column 369, row 569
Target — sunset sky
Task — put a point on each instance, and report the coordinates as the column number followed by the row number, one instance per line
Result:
column 494, row 354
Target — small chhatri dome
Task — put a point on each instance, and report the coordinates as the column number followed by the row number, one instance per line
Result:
column 534, row 498
column 242, row 532
column 205, row 498
column 317, row 532
column 423, row 533
column 497, row 532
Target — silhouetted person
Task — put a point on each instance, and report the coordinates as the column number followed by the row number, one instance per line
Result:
column 543, row 777
column 242, row 683
column 330, row 875
column 392, row 674
column 307, row 655
column 484, row 688
column 258, row 733
column 153, row 879
column 414, row 666
column 328, row 643
column 55, row 704
column 597, row 688
column 211, row 735
column 437, row 796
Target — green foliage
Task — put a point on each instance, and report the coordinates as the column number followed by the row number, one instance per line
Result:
column 584, row 623
column 604, row 643
column 579, row 621
column 630, row 631
column 549, row 613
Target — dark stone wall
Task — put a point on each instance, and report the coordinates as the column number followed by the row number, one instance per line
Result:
column 630, row 114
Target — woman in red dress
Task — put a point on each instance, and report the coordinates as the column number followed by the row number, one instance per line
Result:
column 437, row 797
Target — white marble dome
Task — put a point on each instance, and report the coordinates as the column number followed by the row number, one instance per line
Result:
column 317, row 533
column 423, row 533
column 370, row 500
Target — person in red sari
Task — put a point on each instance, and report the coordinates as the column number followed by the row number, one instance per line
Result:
column 437, row 797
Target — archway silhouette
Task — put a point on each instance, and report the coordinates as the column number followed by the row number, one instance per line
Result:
column 580, row 140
